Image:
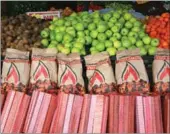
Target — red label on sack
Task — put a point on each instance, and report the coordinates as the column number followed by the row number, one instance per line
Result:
column 164, row 71
column 130, row 70
column 41, row 70
column 13, row 73
column 68, row 75
column 97, row 77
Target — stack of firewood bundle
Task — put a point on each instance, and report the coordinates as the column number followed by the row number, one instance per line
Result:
column 55, row 100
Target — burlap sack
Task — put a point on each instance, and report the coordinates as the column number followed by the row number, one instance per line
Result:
column 16, row 69
column 131, row 74
column 100, row 73
column 161, row 70
column 43, row 69
column 70, row 73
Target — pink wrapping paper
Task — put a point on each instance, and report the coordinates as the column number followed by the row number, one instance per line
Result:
column 40, row 112
column 121, row 114
column 14, row 112
column 94, row 114
column 148, row 114
column 67, row 114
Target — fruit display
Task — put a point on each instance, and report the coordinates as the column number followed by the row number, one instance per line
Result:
column 118, row 5
column 66, row 12
column 159, row 27
column 21, row 32
column 111, row 31
column 92, row 7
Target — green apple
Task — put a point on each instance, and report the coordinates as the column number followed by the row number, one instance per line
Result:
column 94, row 43
column 62, row 28
column 110, row 24
column 113, row 39
column 127, row 16
column 136, row 29
column 75, row 50
column 128, row 25
column 60, row 47
column 101, row 28
column 141, row 35
column 126, row 43
column 68, row 45
column 152, row 50
column 92, row 49
column 52, row 35
column 78, row 45
column 92, row 26
column 52, row 45
column 88, row 40
column 132, row 47
column 133, row 40
column 54, row 42
column 154, row 42
column 133, row 34
column 80, row 34
column 116, row 15
column 67, row 23
column 137, row 24
column 147, row 47
column 65, row 50
column 117, row 36
column 133, row 19
column 79, row 27
column 111, row 51
column 119, row 25
column 67, row 38
column 143, row 51
column 72, row 33
column 59, row 37
column 124, row 31
column 108, row 43
column 139, row 43
column 94, row 34
column 146, row 40
column 100, row 46
column 117, row 44
column 87, row 32
column 107, row 16
column 52, row 27
column 81, row 39
column 57, row 30
column 101, row 37
column 113, row 20
column 122, row 20
column 83, row 52
column 74, row 22
column 44, row 34
column 69, row 29
column 108, row 33
column 121, row 48
column 115, row 29
column 60, row 22
column 94, row 52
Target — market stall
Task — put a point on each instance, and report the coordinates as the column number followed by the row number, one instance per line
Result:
column 105, row 70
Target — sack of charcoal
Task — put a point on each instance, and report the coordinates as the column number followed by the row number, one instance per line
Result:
column 43, row 88
column 100, row 73
column 131, row 73
column 70, row 79
column 15, row 72
column 15, row 77
column 43, row 75
column 161, row 71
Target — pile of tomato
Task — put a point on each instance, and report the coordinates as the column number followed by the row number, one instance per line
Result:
column 159, row 27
